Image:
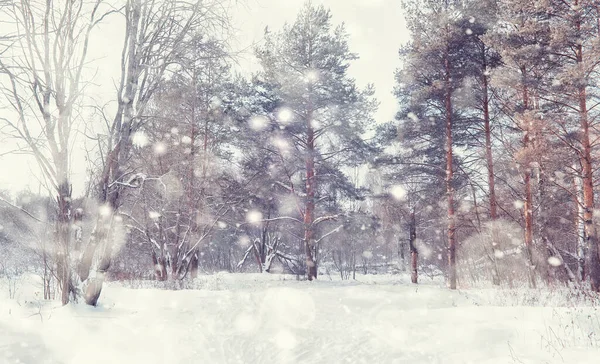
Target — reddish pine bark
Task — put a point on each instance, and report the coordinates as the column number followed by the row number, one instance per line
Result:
column 591, row 237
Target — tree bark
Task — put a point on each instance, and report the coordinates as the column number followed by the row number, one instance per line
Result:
column 450, row 174
column 117, row 154
column 591, row 237
column 488, row 142
column 579, row 227
column 63, row 240
column 526, row 170
column 311, row 266
column 414, row 254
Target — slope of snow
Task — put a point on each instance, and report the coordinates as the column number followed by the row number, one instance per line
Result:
column 265, row 319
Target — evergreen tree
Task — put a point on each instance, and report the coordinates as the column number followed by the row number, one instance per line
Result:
column 322, row 116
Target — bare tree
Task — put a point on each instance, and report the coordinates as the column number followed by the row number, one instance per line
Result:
column 44, row 80
column 155, row 37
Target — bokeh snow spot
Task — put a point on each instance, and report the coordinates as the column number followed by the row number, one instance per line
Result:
column 160, row 148
column 254, row 217
column 554, row 261
column 398, row 192
column 153, row 215
column 243, row 241
column 258, row 123
column 140, row 139
column 105, row 210
column 285, row 115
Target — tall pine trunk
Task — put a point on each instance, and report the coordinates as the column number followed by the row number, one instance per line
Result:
column 579, row 227
column 489, row 161
column 450, row 173
column 488, row 143
column 528, row 204
column 311, row 266
column 591, row 236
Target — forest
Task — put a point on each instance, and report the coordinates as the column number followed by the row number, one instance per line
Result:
column 485, row 177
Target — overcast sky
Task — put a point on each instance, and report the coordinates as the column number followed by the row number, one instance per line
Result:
column 376, row 29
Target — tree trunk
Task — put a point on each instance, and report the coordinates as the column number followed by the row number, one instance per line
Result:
column 309, row 242
column 117, row 156
column 194, row 265
column 544, row 246
column 488, row 143
column 490, row 164
column 401, row 254
column 450, row 175
column 63, row 240
column 414, row 254
column 528, row 204
column 591, row 236
column 579, row 227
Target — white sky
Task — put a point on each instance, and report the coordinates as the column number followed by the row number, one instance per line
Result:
column 376, row 28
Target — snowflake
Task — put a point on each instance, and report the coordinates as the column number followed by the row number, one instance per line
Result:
column 554, row 261
column 311, row 76
column 280, row 143
column 140, row 139
column 258, row 123
column 285, row 115
column 105, row 210
column 244, row 241
column 398, row 192
column 153, row 215
column 254, row 217
column 160, row 148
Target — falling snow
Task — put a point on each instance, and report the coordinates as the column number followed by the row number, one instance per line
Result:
column 254, row 217
column 140, row 139
column 285, row 115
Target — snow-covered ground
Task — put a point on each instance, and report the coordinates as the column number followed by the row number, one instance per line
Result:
column 230, row 318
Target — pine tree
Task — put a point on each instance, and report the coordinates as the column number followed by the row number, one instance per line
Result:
column 523, row 40
column 435, row 67
column 323, row 114
column 575, row 33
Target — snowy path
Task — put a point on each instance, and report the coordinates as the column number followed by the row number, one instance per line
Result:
column 295, row 322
